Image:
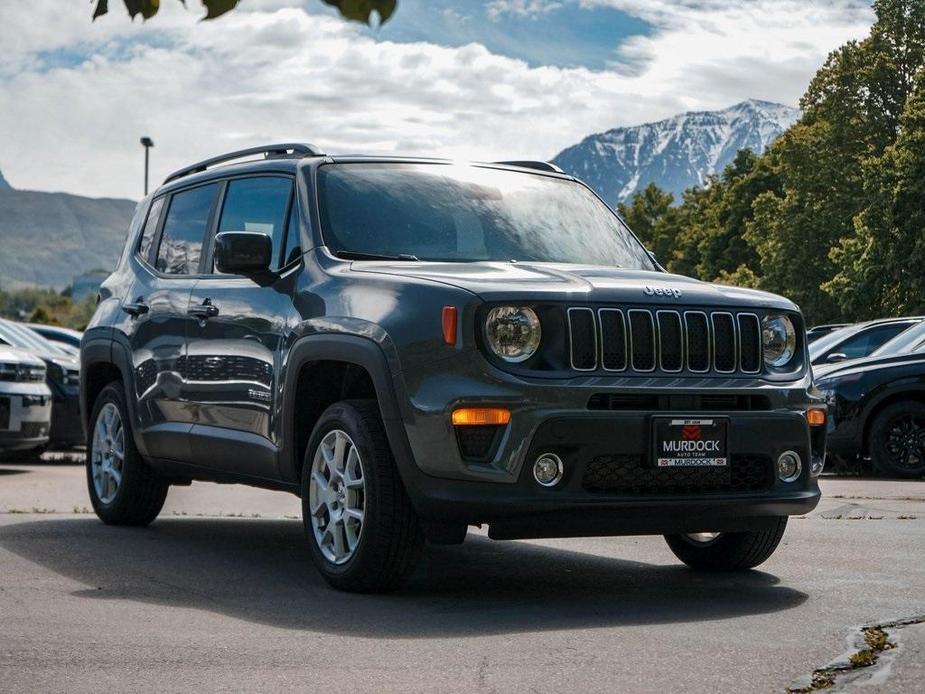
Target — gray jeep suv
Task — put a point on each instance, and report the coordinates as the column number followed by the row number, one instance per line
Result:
column 415, row 346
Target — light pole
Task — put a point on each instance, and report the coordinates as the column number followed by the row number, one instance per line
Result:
column 147, row 143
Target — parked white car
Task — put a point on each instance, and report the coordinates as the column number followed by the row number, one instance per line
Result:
column 25, row 402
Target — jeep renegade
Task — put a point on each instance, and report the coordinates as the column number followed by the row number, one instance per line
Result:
column 414, row 346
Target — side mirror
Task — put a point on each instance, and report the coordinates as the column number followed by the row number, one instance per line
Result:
column 242, row 252
column 836, row 356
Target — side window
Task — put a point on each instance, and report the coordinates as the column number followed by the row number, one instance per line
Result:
column 867, row 342
column 293, row 242
column 258, row 205
column 185, row 230
column 147, row 236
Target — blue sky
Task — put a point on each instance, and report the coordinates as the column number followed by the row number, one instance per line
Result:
column 472, row 79
column 566, row 34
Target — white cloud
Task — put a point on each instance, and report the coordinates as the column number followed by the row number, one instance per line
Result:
column 520, row 8
column 275, row 73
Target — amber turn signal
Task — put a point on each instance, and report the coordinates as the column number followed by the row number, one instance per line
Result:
column 481, row 416
column 815, row 416
column 449, row 325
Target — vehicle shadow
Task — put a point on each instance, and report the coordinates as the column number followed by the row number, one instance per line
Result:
column 259, row 570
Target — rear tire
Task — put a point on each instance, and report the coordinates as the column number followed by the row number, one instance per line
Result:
column 362, row 532
column 728, row 551
column 124, row 490
column 897, row 440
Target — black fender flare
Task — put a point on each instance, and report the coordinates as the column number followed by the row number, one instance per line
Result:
column 112, row 351
column 362, row 352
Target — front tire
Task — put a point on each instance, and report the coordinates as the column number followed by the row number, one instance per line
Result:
column 727, row 551
column 124, row 490
column 362, row 531
column 897, row 440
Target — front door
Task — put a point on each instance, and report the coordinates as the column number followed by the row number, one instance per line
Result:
column 236, row 340
column 167, row 266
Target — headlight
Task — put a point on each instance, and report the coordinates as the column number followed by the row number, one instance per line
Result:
column 779, row 338
column 513, row 332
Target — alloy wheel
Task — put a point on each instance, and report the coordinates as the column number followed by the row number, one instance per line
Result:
column 905, row 442
column 107, row 456
column 702, row 538
column 337, row 497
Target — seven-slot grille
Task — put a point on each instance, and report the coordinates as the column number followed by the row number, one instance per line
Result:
column 665, row 340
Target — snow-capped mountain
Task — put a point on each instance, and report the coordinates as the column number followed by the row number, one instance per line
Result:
column 675, row 153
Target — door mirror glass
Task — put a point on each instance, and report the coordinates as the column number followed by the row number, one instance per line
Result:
column 243, row 252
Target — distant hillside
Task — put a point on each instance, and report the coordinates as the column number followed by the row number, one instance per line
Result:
column 49, row 238
column 675, row 153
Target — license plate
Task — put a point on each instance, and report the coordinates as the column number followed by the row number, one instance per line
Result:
column 692, row 442
column 4, row 413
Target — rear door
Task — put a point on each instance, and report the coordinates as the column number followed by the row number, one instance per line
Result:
column 167, row 265
column 235, row 344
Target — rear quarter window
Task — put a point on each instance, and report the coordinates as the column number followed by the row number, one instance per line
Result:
column 147, row 236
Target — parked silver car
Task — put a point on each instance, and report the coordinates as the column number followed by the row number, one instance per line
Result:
column 25, row 401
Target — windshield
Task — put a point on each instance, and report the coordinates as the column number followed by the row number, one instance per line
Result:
column 907, row 341
column 469, row 213
column 824, row 343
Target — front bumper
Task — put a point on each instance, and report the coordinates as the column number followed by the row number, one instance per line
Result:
column 27, row 423
column 638, row 499
column 556, row 418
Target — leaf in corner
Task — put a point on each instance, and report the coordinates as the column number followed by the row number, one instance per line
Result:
column 102, row 7
column 146, row 8
column 361, row 10
column 216, row 8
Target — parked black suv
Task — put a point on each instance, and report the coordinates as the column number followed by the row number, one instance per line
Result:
column 415, row 346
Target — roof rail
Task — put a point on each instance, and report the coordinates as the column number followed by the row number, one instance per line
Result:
column 286, row 149
column 538, row 165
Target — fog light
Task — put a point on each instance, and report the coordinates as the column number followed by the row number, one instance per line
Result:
column 789, row 466
column 547, row 470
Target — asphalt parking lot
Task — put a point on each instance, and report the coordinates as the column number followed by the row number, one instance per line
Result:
column 219, row 595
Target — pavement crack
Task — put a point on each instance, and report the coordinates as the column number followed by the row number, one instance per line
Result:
column 872, row 647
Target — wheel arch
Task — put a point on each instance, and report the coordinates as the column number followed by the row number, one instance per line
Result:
column 883, row 400
column 103, row 361
column 349, row 366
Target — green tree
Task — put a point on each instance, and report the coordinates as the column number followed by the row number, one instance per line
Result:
column 645, row 212
column 357, row 10
column 851, row 114
column 882, row 268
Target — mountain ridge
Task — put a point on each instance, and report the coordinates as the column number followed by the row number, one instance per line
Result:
column 675, row 153
column 50, row 238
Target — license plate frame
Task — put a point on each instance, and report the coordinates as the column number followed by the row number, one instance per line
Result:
column 690, row 442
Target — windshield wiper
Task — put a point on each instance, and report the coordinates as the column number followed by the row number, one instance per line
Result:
column 356, row 255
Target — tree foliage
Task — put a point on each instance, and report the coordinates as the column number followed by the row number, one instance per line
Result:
column 831, row 214
column 38, row 305
column 356, row 10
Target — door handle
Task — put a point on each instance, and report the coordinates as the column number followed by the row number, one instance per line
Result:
column 204, row 310
column 136, row 308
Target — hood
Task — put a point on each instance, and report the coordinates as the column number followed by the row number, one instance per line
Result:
column 13, row 355
column 842, row 368
column 498, row 281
